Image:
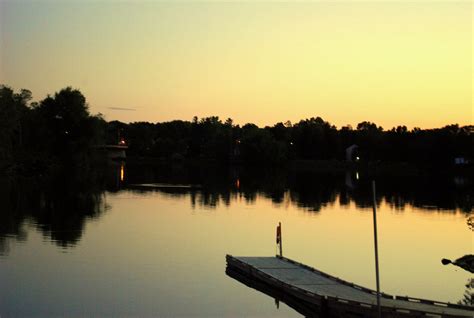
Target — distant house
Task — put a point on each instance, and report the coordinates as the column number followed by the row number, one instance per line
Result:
column 352, row 153
column 460, row 161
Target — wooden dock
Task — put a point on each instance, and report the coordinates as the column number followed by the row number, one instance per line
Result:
column 314, row 293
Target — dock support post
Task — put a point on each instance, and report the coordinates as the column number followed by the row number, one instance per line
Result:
column 374, row 205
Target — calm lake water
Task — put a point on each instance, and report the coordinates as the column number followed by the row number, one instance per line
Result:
column 85, row 246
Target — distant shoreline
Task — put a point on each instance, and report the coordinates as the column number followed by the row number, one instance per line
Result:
column 329, row 166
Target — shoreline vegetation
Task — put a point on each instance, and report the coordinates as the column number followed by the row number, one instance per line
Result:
column 323, row 166
column 37, row 138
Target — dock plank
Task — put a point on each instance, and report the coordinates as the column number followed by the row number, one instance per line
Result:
column 267, row 262
column 302, row 280
column 297, row 277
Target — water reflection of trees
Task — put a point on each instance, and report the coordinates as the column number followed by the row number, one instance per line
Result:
column 306, row 189
column 58, row 206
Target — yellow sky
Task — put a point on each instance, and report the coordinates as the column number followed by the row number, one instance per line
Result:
column 397, row 62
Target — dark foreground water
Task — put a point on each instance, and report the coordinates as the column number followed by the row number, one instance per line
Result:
column 86, row 246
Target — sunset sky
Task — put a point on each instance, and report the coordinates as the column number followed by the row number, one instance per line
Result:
column 390, row 62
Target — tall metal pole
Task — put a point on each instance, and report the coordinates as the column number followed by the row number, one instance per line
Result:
column 374, row 205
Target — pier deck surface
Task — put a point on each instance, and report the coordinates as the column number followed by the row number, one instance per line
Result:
column 308, row 282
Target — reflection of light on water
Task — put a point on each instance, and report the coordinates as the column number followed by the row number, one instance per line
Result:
column 357, row 175
column 237, row 183
column 122, row 172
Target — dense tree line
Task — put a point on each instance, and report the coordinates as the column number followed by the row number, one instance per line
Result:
column 60, row 128
column 37, row 135
column 309, row 139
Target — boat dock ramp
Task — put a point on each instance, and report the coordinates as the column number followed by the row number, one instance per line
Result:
column 317, row 294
